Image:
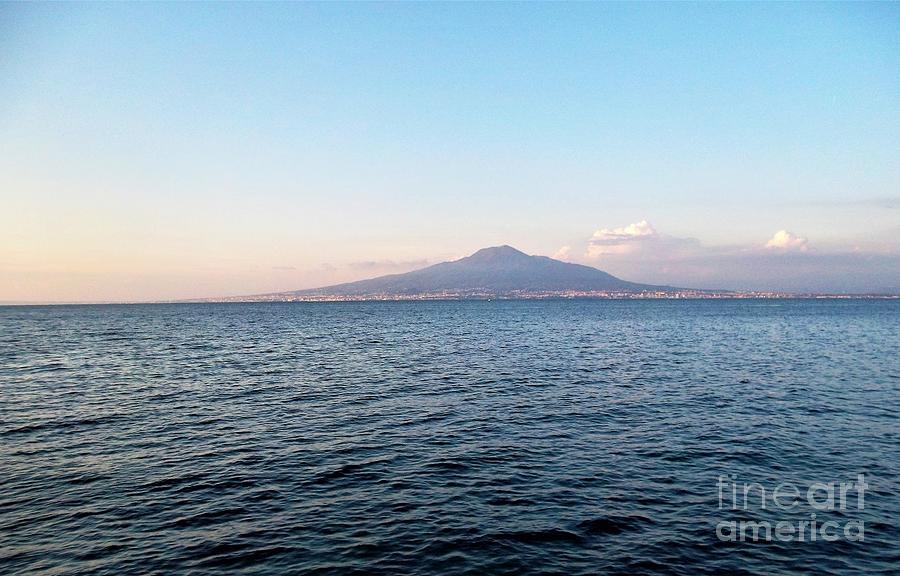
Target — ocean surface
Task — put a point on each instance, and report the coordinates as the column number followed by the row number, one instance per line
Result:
column 505, row 437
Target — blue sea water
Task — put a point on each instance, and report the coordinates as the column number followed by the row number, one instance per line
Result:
column 517, row 437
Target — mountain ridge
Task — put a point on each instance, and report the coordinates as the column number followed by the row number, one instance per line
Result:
column 496, row 270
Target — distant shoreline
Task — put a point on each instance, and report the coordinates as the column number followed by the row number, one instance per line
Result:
column 401, row 298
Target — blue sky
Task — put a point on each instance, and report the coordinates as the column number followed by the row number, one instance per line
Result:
column 174, row 150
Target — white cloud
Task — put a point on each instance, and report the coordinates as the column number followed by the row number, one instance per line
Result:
column 784, row 240
column 624, row 240
column 786, row 262
column 636, row 230
column 563, row 253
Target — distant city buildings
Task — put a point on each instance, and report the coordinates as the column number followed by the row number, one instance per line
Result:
column 535, row 295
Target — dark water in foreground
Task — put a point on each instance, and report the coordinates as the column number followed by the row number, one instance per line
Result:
column 441, row 438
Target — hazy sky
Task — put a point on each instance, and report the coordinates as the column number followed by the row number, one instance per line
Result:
column 153, row 151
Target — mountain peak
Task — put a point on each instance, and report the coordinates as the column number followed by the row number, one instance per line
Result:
column 496, row 253
column 494, row 270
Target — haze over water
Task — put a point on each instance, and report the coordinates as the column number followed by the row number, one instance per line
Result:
column 569, row 437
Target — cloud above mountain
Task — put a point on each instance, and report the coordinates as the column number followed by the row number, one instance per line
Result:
column 785, row 261
column 784, row 240
column 624, row 240
column 564, row 253
column 637, row 240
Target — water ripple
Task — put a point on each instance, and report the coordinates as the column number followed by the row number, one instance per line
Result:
column 557, row 437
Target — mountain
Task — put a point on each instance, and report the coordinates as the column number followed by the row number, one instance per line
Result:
column 498, row 270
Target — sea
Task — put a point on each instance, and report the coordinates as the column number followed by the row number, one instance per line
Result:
column 458, row 437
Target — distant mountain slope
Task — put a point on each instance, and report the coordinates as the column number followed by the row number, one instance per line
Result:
column 501, row 269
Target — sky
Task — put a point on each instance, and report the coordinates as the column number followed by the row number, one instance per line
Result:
column 163, row 151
